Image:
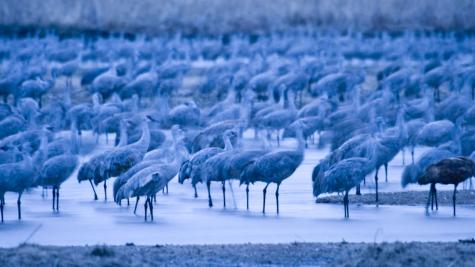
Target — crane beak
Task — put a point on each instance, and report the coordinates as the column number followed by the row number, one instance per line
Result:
column 150, row 118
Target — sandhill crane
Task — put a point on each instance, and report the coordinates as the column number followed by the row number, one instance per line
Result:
column 186, row 115
column 189, row 168
column 448, row 171
column 310, row 125
column 211, row 168
column 235, row 164
column 35, row 88
column 277, row 120
column 122, row 158
column 274, row 167
column 436, row 133
column 342, row 177
column 11, row 125
column 151, row 180
column 19, row 176
column 59, row 168
column 213, row 134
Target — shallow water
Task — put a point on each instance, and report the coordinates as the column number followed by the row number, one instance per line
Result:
column 181, row 219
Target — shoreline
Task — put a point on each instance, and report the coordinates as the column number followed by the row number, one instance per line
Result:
column 289, row 254
column 403, row 198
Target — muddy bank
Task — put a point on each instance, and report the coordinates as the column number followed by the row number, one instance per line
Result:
column 408, row 198
column 293, row 254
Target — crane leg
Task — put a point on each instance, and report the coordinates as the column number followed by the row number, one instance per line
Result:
column 435, row 197
column 145, row 207
column 128, row 202
column 247, row 196
column 454, row 198
column 196, row 193
column 151, row 208
column 278, row 139
column 166, row 186
column 345, row 205
column 432, row 199
column 19, row 206
column 264, row 199
column 94, row 190
column 224, row 194
column 428, row 201
column 376, row 183
column 277, row 197
column 54, row 197
column 57, row 199
column 105, row 189
column 136, row 203
column 412, row 155
column 155, row 198
column 2, row 203
column 80, row 138
column 210, row 201
column 386, row 171
column 358, row 190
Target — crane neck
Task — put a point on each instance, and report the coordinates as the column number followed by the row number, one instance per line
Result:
column 123, row 134
column 67, row 92
column 144, row 141
column 181, row 154
column 135, row 103
column 227, row 143
column 41, row 153
column 74, row 149
column 292, row 106
column 96, row 103
column 281, row 100
column 300, row 139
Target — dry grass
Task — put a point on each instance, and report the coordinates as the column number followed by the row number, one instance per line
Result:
column 293, row 254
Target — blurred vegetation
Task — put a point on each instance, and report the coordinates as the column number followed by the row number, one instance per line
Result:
column 217, row 16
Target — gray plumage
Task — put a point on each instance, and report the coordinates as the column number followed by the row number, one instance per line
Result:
column 213, row 135
column 11, row 125
column 342, row 177
column 151, row 180
column 123, row 158
column 19, row 176
column 211, row 169
column 186, row 115
column 436, row 133
column 274, row 167
column 192, row 168
column 235, row 164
